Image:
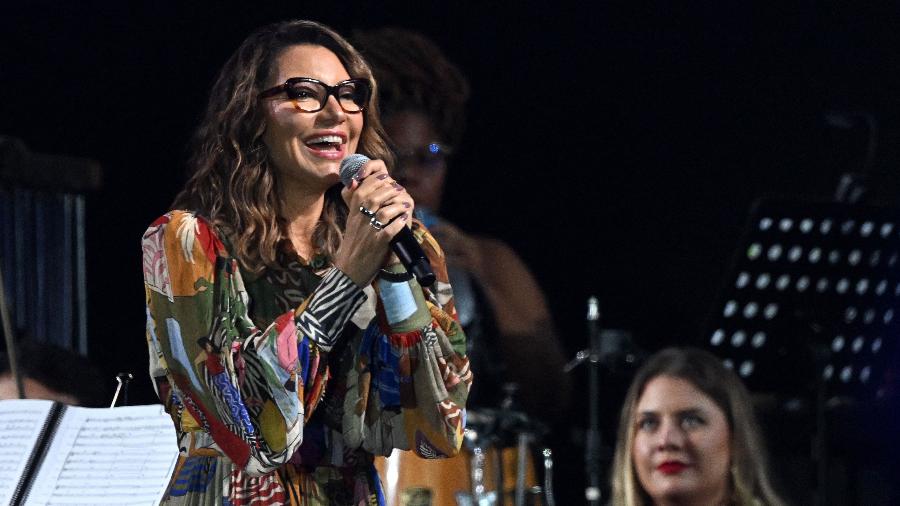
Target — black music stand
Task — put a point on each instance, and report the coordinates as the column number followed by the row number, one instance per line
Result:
column 811, row 305
column 815, row 288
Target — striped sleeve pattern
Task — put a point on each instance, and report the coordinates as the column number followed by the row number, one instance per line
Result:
column 335, row 300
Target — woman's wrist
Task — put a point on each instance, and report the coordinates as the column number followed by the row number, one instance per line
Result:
column 401, row 299
column 351, row 270
column 395, row 273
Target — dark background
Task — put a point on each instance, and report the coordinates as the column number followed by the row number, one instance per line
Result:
column 616, row 147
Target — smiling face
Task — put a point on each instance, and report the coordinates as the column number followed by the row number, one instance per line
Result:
column 681, row 449
column 306, row 148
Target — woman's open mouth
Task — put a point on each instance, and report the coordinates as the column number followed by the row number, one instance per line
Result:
column 326, row 146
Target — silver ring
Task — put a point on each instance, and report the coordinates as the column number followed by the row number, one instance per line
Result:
column 366, row 211
column 377, row 225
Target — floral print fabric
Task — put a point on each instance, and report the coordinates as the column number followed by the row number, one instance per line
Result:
column 283, row 385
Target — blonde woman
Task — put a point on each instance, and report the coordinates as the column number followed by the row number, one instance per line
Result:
column 687, row 436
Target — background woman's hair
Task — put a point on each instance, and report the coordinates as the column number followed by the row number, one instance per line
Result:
column 749, row 468
column 415, row 75
column 233, row 183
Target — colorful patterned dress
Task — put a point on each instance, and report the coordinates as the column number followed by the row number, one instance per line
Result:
column 282, row 386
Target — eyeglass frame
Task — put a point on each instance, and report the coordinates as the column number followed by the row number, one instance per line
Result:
column 329, row 91
column 438, row 149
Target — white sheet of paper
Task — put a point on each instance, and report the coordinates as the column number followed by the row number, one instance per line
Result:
column 123, row 456
column 20, row 425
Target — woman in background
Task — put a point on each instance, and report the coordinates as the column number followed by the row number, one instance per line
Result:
column 509, row 328
column 688, row 436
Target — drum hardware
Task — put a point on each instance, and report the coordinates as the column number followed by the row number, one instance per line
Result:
column 521, row 454
column 548, row 476
column 609, row 351
column 593, row 355
column 488, row 436
column 479, row 495
column 494, row 468
column 472, row 478
column 528, row 496
column 477, row 441
column 511, row 421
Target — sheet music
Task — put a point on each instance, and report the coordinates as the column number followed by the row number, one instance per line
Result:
column 21, row 422
column 122, row 456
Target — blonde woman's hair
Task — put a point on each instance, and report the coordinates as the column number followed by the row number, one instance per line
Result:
column 750, row 483
column 233, row 183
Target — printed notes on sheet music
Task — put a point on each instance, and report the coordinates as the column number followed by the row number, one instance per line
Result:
column 21, row 423
column 96, row 456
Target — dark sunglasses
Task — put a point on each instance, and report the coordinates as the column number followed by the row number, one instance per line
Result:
column 311, row 95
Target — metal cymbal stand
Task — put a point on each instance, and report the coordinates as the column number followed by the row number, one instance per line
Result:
column 592, row 454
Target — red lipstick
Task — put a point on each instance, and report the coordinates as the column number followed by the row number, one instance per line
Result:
column 671, row 467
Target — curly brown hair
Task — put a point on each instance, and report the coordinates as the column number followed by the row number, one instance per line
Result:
column 415, row 75
column 232, row 181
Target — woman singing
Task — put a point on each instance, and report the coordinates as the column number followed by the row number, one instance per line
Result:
column 286, row 340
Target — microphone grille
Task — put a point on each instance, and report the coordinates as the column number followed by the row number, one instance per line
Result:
column 350, row 167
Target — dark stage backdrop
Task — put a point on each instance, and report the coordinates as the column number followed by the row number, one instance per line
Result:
column 616, row 147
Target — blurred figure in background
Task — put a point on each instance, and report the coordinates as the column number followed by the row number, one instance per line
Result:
column 53, row 373
column 688, row 435
column 513, row 346
column 503, row 310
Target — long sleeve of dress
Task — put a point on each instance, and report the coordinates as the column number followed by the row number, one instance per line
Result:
column 409, row 383
column 214, row 368
column 252, row 389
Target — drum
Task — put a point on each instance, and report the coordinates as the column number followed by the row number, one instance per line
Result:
column 409, row 480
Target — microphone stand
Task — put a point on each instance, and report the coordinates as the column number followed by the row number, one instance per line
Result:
column 592, row 448
column 10, row 342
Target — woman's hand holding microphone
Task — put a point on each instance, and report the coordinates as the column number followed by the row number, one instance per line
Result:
column 378, row 208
